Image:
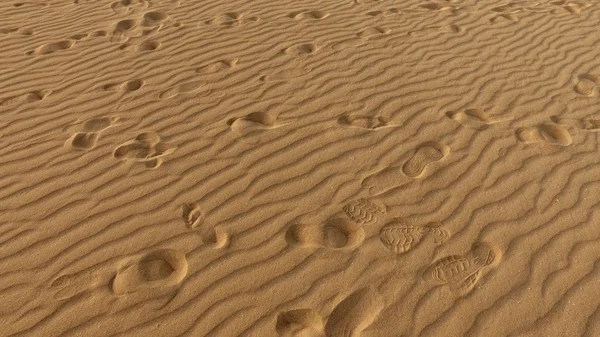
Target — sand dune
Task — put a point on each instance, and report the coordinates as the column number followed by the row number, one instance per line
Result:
column 299, row 168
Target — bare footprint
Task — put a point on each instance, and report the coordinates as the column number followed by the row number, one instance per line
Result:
column 582, row 124
column 299, row 322
column 314, row 15
column 284, row 75
column 218, row 66
column 587, row 84
column 192, row 87
column 355, row 313
column 424, row 155
column 29, row 97
column 161, row 268
column 50, row 48
column 365, row 212
column 334, row 234
column 366, row 122
column 545, row 133
column 476, row 119
column 301, row 49
column 399, row 236
column 17, row 31
column 461, row 273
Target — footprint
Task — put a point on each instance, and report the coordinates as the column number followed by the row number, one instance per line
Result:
column 257, row 121
column 349, row 43
column 301, row 49
column 146, row 148
column 89, row 134
column 438, row 6
column 31, row 3
column 192, row 87
column 231, row 19
column 365, row 212
column 366, row 122
column 583, row 124
column 50, row 48
column 149, row 46
column 299, row 322
column 192, row 215
column 587, row 84
column 123, row 7
column 314, row 15
column 433, row 30
column 373, row 32
column 155, row 18
column 129, row 86
column 19, row 31
column 334, row 234
column 572, row 7
column 461, row 273
column 504, row 17
column 545, row 133
column 399, row 236
column 355, row 313
column 425, row 155
column 218, row 66
column 161, row 268
column 476, row 119
column 29, row 97
column 285, row 75
column 70, row 285
column 384, row 13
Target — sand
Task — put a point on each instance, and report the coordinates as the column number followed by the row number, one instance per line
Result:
column 299, row 168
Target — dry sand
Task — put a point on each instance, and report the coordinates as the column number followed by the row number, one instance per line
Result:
column 299, row 168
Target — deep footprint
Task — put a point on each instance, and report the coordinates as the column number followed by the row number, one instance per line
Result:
column 161, row 268
column 424, row 156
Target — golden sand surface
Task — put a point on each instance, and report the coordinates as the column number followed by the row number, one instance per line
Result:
column 333, row 168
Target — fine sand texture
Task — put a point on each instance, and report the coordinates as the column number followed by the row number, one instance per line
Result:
column 315, row 168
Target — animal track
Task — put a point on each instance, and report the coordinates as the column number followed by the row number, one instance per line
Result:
column 366, row 122
column 299, row 322
column 146, row 148
column 582, row 124
column 285, row 75
column 365, row 212
column 355, row 313
column 29, row 97
column 334, row 234
column 424, row 155
column 301, row 49
column 545, row 133
column 161, row 268
column 19, row 31
column 587, row 84
column 89, row 134
column 400, row 236
column 461, row 273
column 50, row 48
column 314, row 15
column 232, row 19
column 218, row 66
column 476, row 119
column 192, row 87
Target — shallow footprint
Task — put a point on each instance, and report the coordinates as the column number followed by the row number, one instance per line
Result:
column 545, row 133
column 587, row 84
column 83, row 140
column 367, row 122
column 476, row 119
column 583, row 124
column 315, row 15
column 301, row 49
column 184, row 88
column 334, row 234
column 89, row 134
column 257, row 121
column 425, row 155
column 129, row 86
column 52, row 47
column 299, row 322
column 355, row 313
column 373, row 32
column 29, row 97
column 161, row 268
column 284, row 75
column 218, row 66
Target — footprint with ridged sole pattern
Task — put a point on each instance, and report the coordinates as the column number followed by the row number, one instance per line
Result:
column 365, row 212
column 425, row 155
column 400, row 236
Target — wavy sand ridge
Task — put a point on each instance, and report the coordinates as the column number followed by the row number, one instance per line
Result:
column 205, row 168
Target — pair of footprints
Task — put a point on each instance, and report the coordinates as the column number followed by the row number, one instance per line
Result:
column 16, row 31
column 148, row 24
column 162, row 268
column 398, row 236
column 557, row 133
column 194, row 217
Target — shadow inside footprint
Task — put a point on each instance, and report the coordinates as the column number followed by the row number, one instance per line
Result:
column 161, row 268
column 425, row 155
column 192, row 87
column 476, row 119
column 355, row 313
column 334, row 234
column 582, row 124
column 299, row 322
column 366, row 122
column 545, row 133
